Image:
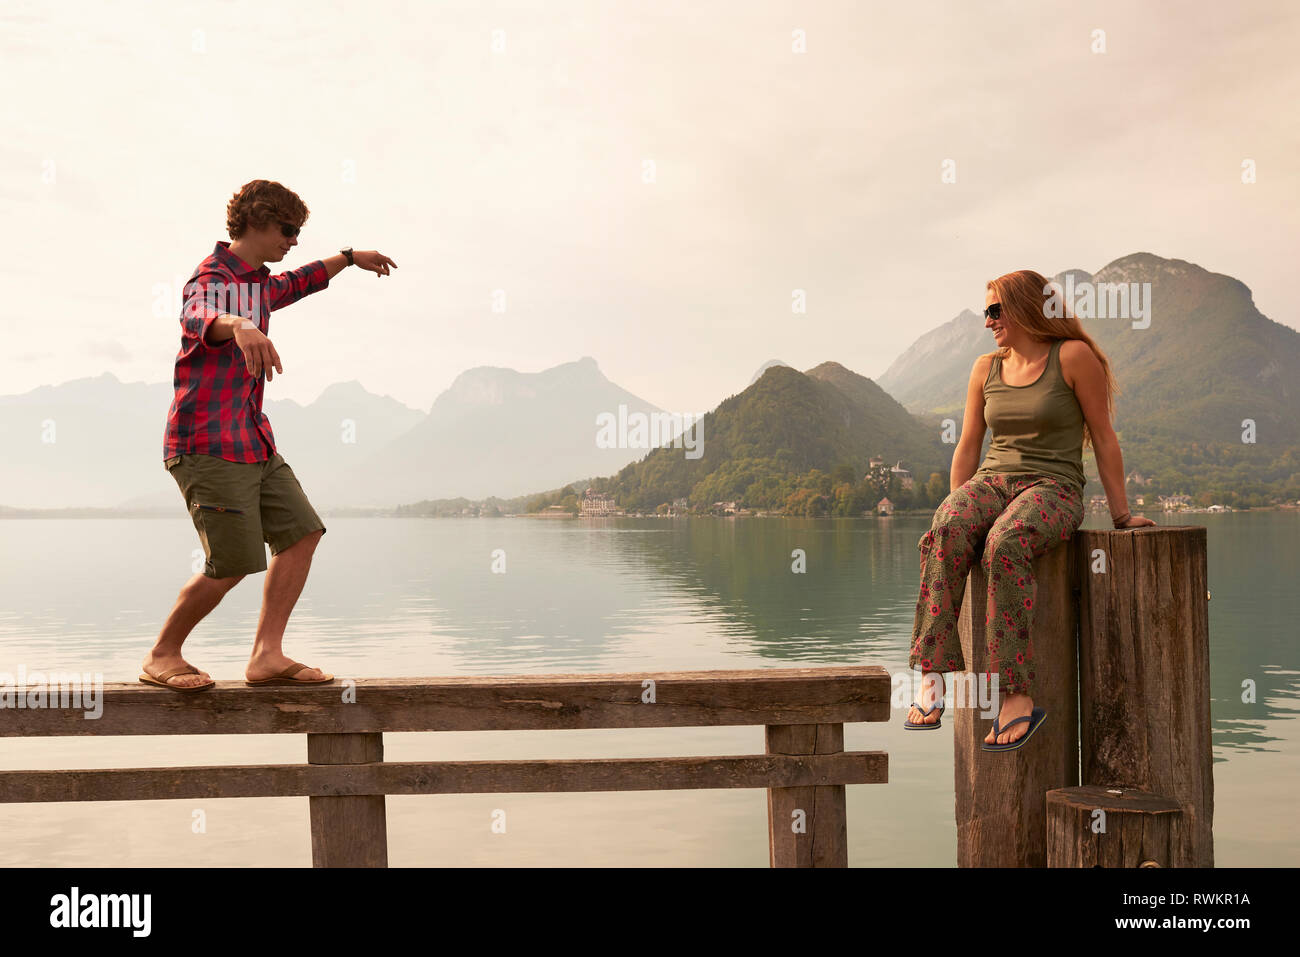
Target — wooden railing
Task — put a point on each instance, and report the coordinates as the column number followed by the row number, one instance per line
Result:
column 804, row 767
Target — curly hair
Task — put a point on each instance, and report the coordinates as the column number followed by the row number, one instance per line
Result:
column 260, row 203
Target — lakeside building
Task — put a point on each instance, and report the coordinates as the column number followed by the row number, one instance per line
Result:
column 877, row 470
column 597, row 503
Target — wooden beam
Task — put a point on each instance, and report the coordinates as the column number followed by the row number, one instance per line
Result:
column 807, row 825
column 445, row 777
column 770, row 696
column 347, row 830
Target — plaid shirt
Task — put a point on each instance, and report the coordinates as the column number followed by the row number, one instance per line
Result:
column 217, row 409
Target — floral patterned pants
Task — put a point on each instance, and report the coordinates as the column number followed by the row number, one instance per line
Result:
column 1019, row 517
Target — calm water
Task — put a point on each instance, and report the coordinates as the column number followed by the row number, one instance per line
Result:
column 417, row 597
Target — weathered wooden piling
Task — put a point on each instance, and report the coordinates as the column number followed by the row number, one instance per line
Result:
column 1093, row 826
column 1144, row 685
column 1000, row 807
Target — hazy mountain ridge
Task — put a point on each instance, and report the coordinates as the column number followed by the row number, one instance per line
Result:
column 493, row 427
column 493, row 432
column 1208, row 362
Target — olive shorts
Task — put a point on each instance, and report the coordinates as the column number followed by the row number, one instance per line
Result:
column 237, row 506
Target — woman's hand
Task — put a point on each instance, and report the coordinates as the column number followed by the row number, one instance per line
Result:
column 1136, row 521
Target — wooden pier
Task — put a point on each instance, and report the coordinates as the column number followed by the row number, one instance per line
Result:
column 804, row 767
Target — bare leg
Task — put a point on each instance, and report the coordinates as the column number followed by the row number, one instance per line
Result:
column 198, row 596
column 285, row 576
column 932, row 689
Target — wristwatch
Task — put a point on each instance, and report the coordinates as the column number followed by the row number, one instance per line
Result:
column 347, row 251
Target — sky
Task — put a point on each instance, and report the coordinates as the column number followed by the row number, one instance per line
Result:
column 645, row 183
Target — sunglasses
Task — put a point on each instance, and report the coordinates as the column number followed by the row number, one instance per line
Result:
column 993, row 311
column 289, row 231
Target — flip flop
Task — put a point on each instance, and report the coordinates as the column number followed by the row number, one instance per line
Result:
column 161, row 680
column 1034, row 719
column 924, row 726
column 285, row 677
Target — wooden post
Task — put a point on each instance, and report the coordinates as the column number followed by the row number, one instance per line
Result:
column 1000, row 806
column 347, row 830
column 1144, row 653
column 1133, row 829
column 822, row 840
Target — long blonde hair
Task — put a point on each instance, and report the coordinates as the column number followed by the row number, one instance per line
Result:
column 1025, row 296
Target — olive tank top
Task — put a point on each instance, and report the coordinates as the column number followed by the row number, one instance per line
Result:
column 1037, row 428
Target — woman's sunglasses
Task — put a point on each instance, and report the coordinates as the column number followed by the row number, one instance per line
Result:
column 289, row 231
column 993, row 311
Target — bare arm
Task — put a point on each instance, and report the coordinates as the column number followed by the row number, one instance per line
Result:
column 966, row 457
column 1079, row 363
column 335, row 264
column 223, row 327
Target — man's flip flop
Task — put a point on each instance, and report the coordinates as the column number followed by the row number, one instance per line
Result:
column 285, row 677
column 161, row 680
column 1034, row 719
column 909, row 726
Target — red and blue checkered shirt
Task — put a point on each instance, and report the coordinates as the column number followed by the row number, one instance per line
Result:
column 217, row 409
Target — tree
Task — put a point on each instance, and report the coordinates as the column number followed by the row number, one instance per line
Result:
column 936, row 490
column 843, row 474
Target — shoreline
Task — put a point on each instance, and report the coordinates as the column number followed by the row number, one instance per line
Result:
column 168, row 513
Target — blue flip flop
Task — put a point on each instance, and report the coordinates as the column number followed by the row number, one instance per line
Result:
column 1035, row 719
column 909, row 726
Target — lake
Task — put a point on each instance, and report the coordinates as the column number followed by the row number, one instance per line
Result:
column 412, row 597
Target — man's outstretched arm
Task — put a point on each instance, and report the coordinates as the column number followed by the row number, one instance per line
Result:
column 335, row 264
column 369, row 259
column 288, row 287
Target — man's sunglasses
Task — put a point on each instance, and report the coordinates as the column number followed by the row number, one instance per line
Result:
column 289, row 231
column 993, row 311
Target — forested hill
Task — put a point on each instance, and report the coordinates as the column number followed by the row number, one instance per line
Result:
column 758, row 443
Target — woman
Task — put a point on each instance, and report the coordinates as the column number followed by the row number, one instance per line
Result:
column 1045, row 392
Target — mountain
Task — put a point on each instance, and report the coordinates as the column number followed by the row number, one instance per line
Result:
column 97, row 442
column 784, row 424
column 345, row 426
column 765, row 366
column 494, row 432
column 931, row 374
column 89, row 441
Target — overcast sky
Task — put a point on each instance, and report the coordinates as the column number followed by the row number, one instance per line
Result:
column 522, row 168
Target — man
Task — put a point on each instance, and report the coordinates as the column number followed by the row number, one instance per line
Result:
column 218, row 443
